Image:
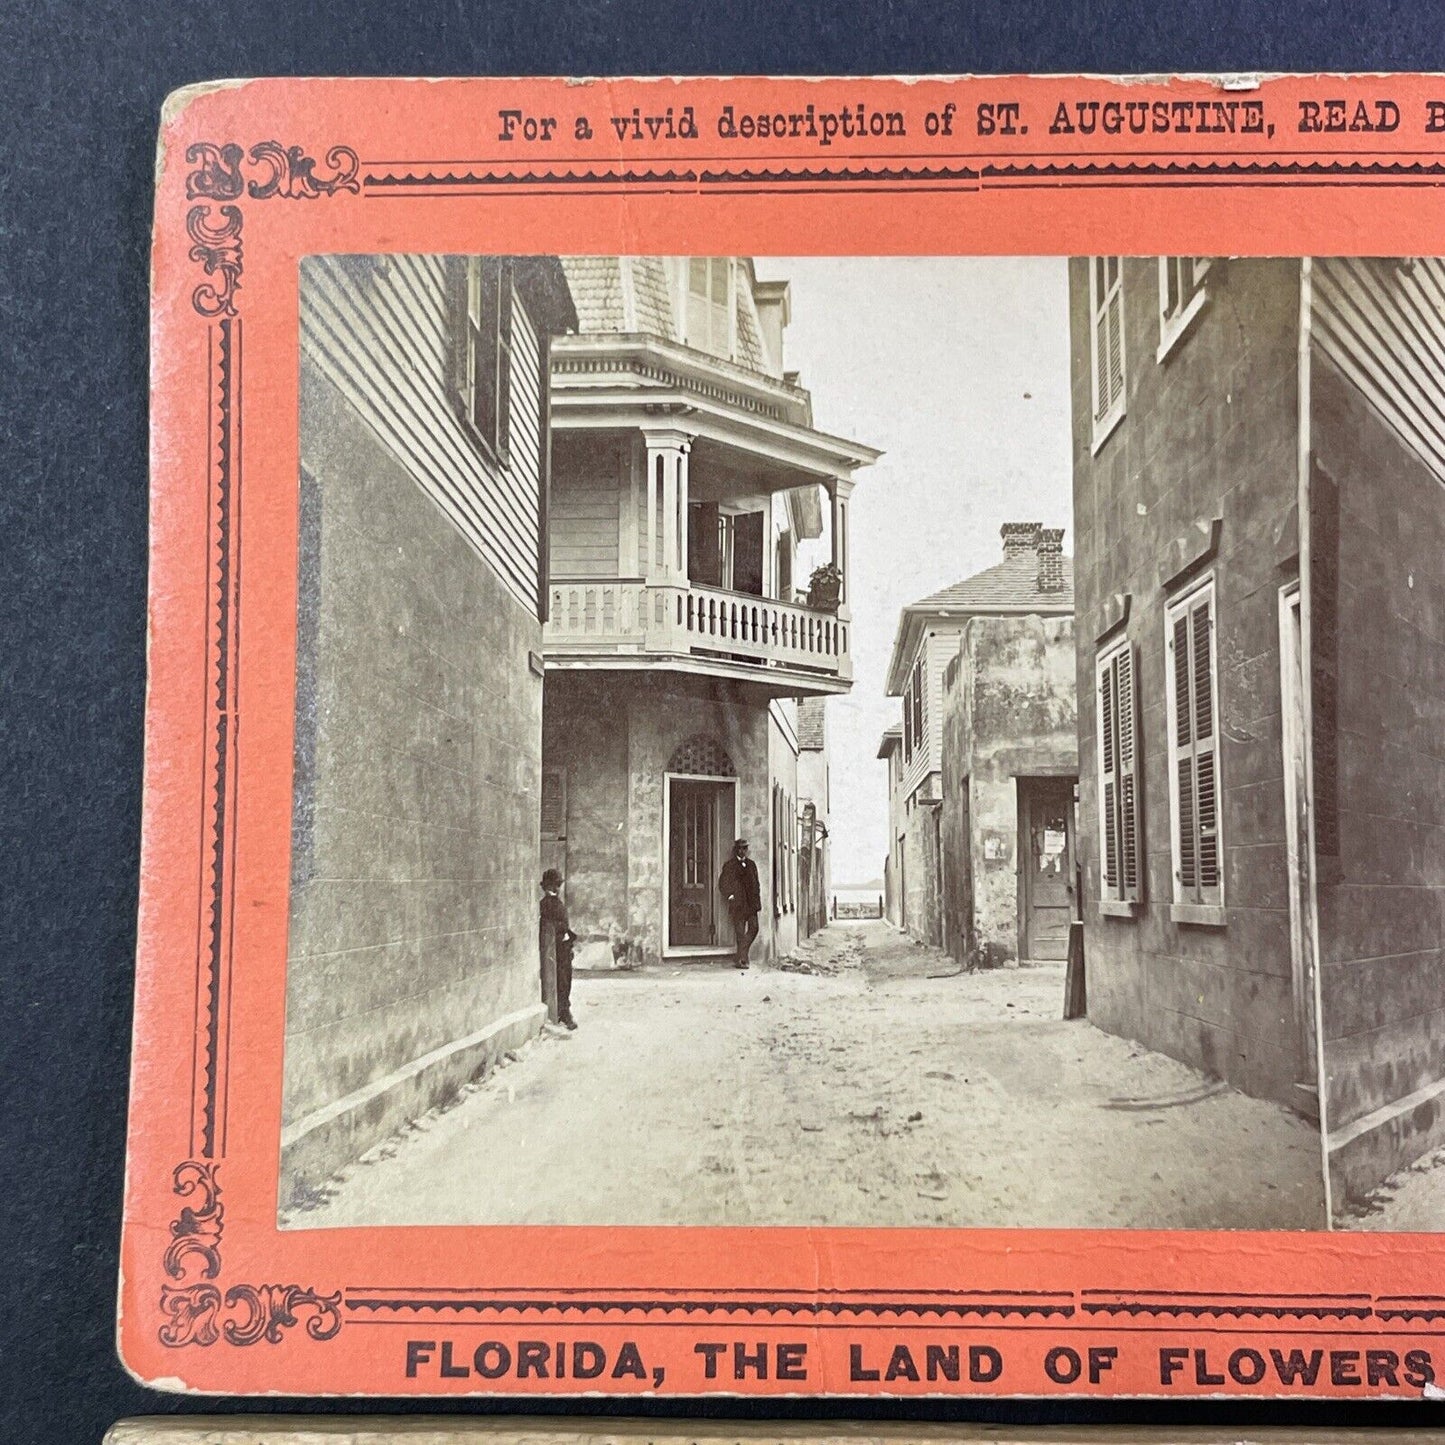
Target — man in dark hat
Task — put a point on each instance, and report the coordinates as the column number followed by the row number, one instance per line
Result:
column 739, row 886
column 554, row 917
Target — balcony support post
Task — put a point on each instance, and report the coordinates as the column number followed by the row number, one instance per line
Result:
column 840, row 490
column 666, row 491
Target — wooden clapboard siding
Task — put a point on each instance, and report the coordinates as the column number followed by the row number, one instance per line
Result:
column 379, row 332
column 1382, row 322
column 585, row 526
column 938, row 649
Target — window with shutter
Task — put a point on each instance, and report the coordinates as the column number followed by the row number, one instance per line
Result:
column 1194, row 749
column 482, row 360
column 1106, row 305
column 1181, row 296
column 1120, row 834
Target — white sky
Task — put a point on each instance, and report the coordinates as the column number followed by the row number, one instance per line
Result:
column 958, row 367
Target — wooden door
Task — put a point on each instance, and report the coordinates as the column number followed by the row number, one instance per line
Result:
column 1047, row 861
column 704, row 550
column 748, row 528
column 693, row 864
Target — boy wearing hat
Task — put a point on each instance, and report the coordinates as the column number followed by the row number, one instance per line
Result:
column 554, row 916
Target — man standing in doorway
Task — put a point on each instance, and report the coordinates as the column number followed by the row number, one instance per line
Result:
column 739, row 886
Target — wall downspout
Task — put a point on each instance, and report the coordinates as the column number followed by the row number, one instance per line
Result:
column 1312, row 909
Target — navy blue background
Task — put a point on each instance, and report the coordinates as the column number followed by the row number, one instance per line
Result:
column 81, row 86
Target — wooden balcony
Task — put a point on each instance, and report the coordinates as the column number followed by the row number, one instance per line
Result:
column 626, row 622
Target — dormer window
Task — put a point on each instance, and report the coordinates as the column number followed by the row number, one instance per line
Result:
column 710, row 304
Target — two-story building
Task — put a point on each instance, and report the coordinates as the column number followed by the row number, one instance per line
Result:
column 1010, row 758
column 691, row 493
column 412, row 954
column 1032, row 581
column 1259, row 511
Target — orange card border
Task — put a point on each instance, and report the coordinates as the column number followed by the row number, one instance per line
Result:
column 251, row 177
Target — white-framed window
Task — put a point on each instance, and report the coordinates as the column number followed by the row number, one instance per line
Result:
column 709, row 316
column 1106, row 343
column 483, row 351
column 1192, row 682
column 1181, row 296
column 1121, row 836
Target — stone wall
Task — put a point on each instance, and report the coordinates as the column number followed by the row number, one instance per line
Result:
column 412, row 957
column 1382, row 861
column 1210, row 432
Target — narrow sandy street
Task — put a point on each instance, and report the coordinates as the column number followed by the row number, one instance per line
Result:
column 851, row 1085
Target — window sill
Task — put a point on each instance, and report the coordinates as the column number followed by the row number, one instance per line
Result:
column 1104, row 429
column 1118, row 908
column 1201, row 915
column 1172, row 329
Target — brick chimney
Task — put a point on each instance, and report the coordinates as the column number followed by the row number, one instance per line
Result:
column 1019, row 538
column 1051, row 559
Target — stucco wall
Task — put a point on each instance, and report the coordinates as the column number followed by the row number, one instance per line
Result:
column 1382, row 896
column 923, row 917
column 1025, row 724
column 418, row 742
column 783, row 770
column 955, row 830
column 1209, row 432
column 615, row 733
column 1010, row 713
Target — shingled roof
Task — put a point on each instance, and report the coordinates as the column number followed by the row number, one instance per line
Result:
column 1012, row 583
column 596, row 284
column 1033, row 554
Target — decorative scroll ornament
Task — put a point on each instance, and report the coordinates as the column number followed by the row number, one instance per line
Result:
column 197, row 1312
column 197, row 1230
column 218, row 249
column 291, row 173
column 268, row 1310
column 217, row 175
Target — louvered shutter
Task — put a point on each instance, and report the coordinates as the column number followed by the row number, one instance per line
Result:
column 1114, row 310
column 1108, row 322
column 1131, row 872
column 1119, row 786
column 1109, row 775
column 554, row 804
column 1196, row 780
column 1206, row 748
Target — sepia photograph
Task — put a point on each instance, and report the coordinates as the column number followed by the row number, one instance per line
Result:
column 842, row 741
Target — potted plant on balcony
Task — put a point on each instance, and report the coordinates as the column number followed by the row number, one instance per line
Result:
column 825, row 587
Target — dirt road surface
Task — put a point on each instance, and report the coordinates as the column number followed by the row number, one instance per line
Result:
column 850, row 1086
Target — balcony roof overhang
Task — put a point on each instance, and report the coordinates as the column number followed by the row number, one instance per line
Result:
column 607, row 382
column 774, row 682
